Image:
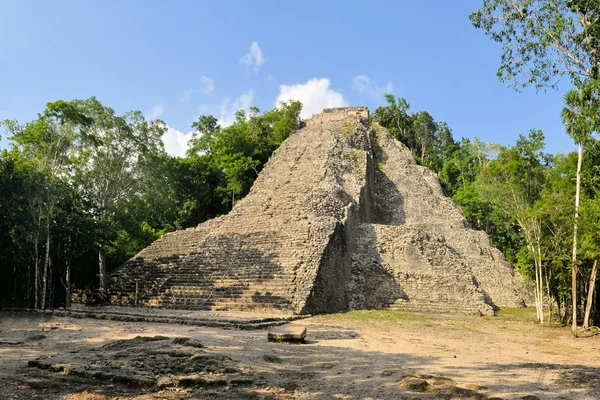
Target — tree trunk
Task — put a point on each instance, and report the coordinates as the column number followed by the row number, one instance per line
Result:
column 590, row 298
column 538, row 293
column 574, row 255
column 558, row 308
column 68, row 285
column 541, row 282
column 549, row 294
column 46, row 264
column 50, row 289
column 36, row 283
column 102, row 273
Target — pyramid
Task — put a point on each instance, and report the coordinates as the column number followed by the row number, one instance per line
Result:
column 340, row 218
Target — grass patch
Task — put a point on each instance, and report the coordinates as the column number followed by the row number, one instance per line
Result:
column 517, row 314
column 377, row 128
column 348, row 128
column 374, row 316
column 356, row 159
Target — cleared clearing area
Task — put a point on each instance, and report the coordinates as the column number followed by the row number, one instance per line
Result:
column 356, row 355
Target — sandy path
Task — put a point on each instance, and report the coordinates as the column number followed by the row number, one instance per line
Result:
column 348, row 356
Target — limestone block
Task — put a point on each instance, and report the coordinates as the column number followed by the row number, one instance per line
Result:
column 287, row 333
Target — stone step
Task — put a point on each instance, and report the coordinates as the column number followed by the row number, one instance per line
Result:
column 434, row 308
column 224, row 323
column 220, row 306
column 250, row 297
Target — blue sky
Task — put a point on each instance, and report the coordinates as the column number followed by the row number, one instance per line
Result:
column 177, row 60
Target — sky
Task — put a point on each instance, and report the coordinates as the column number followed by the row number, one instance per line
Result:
column 177, row 60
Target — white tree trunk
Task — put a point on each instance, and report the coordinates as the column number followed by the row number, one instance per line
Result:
column 590, row 298
column 574, row 255
column 36, row 284
column 46, row 264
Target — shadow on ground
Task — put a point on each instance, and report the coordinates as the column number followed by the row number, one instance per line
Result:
column 244, row 365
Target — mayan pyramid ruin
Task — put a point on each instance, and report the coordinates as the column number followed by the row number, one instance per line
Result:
column 340, row 218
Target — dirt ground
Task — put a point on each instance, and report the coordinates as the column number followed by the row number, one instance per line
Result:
column 356, row 355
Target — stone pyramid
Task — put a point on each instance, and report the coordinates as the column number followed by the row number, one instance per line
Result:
column 340, row 218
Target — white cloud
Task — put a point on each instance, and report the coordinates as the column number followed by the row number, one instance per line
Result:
column 315, row 95
column 363, row 84
column 254, row 57
column 156, row 111
column 227, row 108
column 208, row 85
column 176, row 142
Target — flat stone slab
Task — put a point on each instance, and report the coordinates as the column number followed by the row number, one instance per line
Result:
column 287, row 333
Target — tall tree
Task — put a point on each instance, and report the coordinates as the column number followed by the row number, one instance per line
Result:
column 425, row 132
column 580, row 119
column 108, row 166
column 542, row 41
column 513, row 183
column 48, row 142
column 240, row 150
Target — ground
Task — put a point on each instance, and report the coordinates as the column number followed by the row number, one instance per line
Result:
column 356, row 355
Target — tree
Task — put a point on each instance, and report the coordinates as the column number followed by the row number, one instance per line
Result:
column 396, row 118
column 108, row 164
column 425, row 130
column 513, row 183
column 580, row 119
column 543, row 40
column 556, row 213
column 430, row 142
column 20, row 205
column 240, row 150
column 48, row 142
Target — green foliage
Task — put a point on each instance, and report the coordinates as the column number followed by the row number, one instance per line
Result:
column 240, row 150
column 356, row 159
column 541, row 39
column 431, row 142
column 348, row 128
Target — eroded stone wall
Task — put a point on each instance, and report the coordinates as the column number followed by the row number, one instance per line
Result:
column 341, row 217
column 277, row 244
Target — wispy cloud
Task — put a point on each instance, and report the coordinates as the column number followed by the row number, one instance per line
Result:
column 207, row 84
column 228, row 108
column 254, row 57
column 363, row 84
column 315, row 95
column 157, row 111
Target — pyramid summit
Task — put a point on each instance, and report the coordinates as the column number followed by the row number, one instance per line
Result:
column 340, row 218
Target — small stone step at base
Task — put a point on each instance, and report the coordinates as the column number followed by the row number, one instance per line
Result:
column 287, row 333
column 251, row 322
